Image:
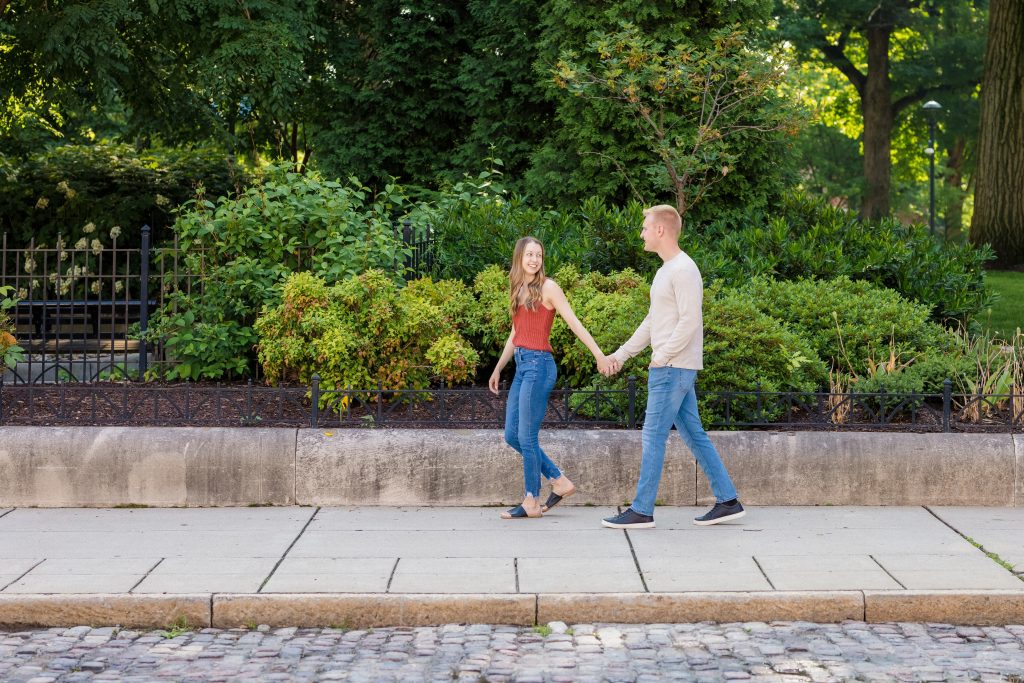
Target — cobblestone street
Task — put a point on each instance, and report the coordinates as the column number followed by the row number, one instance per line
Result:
column 756, row 651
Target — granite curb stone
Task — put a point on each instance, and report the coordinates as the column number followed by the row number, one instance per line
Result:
column 115, row 609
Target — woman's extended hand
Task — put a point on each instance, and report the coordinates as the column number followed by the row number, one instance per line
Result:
column 492, row 383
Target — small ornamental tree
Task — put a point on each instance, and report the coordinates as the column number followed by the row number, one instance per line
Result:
column 693, row 106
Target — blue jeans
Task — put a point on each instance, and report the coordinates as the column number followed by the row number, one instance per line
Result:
column 527, row 403
column 671, row 399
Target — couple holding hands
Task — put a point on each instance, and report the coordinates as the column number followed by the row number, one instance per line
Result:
column 673, row 329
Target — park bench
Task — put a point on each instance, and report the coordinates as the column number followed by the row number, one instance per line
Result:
column 76, row 326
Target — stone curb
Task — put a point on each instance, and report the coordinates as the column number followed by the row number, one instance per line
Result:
column 365, row 610
column 113, row 609
column 653, row 608
column 986, row 608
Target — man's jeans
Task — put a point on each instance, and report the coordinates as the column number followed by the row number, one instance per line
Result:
column 671, row 399
column 527, row 403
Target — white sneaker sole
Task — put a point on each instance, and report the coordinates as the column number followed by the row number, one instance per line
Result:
column 639, row 525
column 735, row 515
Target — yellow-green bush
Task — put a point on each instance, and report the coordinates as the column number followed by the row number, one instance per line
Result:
column 365, row 331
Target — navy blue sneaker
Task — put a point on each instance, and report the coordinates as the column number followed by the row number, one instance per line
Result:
column 722, row 512
column 629, row 520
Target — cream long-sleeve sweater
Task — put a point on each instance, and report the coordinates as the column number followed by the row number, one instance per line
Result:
column 674, row 326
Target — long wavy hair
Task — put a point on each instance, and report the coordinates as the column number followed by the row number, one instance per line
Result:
column 517, row 277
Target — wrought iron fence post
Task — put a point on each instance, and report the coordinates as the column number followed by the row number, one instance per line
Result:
column 947, row 403
column 407, row 242
column 631, row 397
column 144, row 302
column 2, row 395
column 248, row 401
column 380, row 404
column 760, row 403
column 314, row 417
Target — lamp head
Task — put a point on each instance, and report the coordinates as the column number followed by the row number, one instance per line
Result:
column 931, row 108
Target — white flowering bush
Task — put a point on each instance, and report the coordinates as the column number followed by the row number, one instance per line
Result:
column 85, row 269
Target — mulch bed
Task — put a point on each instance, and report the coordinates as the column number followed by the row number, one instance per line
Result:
column 249, row 405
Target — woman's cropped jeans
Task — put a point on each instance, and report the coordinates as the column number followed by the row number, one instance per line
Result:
column 527, row 403
column 672, row 400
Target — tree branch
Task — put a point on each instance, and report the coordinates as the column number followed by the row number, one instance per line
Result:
column 918, row 95
column 837, row 57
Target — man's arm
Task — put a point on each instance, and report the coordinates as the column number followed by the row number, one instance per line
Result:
column 640, row 340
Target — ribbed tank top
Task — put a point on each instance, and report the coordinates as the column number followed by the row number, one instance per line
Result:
column 533, row 328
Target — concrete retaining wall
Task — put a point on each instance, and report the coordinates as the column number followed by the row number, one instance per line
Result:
column 108, row 466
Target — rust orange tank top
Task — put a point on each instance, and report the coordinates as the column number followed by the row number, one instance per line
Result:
column 533, row 328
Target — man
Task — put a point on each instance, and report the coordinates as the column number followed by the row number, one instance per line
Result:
column 674, row 329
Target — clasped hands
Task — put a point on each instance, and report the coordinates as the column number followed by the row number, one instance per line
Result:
column 608, row 366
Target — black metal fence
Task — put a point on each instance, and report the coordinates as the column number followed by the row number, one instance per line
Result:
column 250, row 405
column 81, row 307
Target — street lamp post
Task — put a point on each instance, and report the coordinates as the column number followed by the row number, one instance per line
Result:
column 931, row 108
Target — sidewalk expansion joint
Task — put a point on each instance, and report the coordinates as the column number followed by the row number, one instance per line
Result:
column 639, row 571
column 289, row 548
column 898, row 582
column 7, row 513
column 391, row 576
column 990, row 555
column 146, row 576
column 23, row 575
column 763, row 572
column 515, row 572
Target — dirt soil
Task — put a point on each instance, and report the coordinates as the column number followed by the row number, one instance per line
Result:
column 245, row 405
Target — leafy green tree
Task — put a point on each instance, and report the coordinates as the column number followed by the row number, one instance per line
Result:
column 689, row 104
column 895, row 54
column 184, row 70
column 999, row 201
column 591, row 143
column 392, row 106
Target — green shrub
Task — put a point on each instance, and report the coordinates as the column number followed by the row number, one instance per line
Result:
column 807, row 238
column 854, row 325
column 57, row 191
column 494, row 325
column 476, row 225
column 241, row 248
column 746, row 350
column 359, row 333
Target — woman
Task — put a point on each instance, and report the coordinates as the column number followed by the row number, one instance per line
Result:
column 533, row 301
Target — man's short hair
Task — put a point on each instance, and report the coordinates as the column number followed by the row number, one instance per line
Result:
column 667, row 214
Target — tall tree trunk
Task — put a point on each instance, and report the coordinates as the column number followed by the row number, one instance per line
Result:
column 877, row 110
column 999, row 197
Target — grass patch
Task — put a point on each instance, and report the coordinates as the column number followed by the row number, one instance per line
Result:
column 179, row 627
column 1006, row 314
column 992, row 556
column 544, row 631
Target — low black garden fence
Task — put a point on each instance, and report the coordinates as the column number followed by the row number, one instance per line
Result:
column 81, row 307
column 250, row 405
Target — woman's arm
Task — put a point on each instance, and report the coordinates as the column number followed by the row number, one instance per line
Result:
column 555, row 297
column 506, row 356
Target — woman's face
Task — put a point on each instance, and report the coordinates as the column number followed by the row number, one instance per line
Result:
column 533, row 258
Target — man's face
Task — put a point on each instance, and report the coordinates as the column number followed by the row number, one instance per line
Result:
column 649, row 234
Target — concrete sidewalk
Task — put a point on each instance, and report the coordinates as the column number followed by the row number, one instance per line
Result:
column 366, row 566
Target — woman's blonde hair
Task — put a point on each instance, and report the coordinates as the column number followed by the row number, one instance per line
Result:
column 517, row 277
